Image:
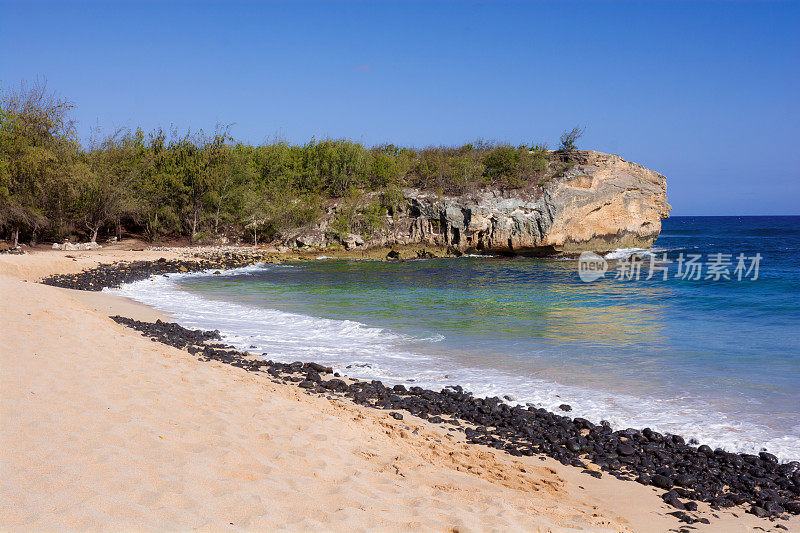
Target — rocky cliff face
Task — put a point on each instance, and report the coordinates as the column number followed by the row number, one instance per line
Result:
column 601, row 203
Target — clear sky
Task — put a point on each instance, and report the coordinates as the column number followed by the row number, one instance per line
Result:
column 706, row 93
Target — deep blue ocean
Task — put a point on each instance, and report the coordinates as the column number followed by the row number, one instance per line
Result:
column 697, row 354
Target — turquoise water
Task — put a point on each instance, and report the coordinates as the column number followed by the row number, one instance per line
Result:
column 717, row 360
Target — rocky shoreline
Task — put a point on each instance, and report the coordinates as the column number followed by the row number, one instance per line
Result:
column 685, row 473
column 116, row 274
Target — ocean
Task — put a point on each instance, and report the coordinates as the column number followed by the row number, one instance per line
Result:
column 708, row 347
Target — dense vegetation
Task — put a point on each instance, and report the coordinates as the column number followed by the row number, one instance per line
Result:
column 199, row 186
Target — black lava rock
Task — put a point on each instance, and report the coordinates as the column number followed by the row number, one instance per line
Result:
column 662, row 481
column 768, row 457
column 626, row 449
column 102, row 276
column 705, row 450
column 671, row 498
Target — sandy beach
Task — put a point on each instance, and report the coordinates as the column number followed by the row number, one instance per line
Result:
column 103, row 429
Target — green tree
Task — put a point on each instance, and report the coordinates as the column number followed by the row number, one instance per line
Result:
column 102, row 177
column 202, row 166
column 157, row 188
column 36, row 138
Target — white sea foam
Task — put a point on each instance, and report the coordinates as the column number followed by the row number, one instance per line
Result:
column 625, row 253
column 365, row 352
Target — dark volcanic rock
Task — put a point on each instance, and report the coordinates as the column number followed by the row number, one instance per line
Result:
column 768, row 457
column 662, row 481
column 626, row 449
column 683, row 517
column 102, row 276
column 319, row 368
column 334, row 384
column 671, row 498
column 705, row 450
column 593, row 473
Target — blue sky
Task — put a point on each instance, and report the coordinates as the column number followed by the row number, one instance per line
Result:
column 706, row 93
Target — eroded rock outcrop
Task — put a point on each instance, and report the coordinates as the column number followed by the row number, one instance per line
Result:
column 601, row 203
column 76, row 246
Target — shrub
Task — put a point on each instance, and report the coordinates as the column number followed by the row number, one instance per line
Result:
column 569, row 138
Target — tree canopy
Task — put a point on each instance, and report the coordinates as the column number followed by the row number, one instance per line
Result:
column 197, row 185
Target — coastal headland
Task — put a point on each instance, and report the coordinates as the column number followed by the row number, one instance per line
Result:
column 594, row 201
column 136, row 423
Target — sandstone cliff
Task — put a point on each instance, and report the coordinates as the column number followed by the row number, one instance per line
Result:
column 601, row 203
